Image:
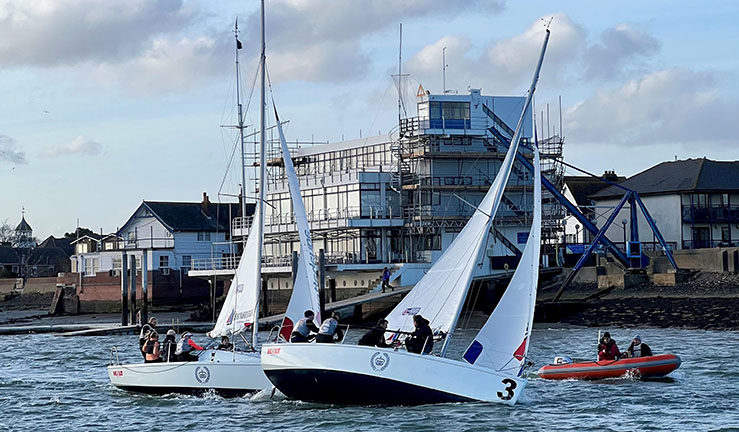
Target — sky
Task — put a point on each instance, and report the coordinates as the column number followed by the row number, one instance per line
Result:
column 104, row 104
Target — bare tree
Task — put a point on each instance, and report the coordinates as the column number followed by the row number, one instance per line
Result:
column 7, row 233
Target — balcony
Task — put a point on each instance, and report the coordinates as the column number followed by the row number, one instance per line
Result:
column 352, row 216
column 720, row 213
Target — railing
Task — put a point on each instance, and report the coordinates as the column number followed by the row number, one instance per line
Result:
column 242, row 223
column 137, row 243
column 413, row 126
column 705, row 244
column 726, row 213
column 352, row 212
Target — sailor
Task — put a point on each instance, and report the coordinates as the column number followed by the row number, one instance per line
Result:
column 376, row 336
column 169, row 346
column 638, row 348
column 607, row 348
column 185, row 347
column 146, row 328
column 422, row 339
column 304, row 327
column 225, row 344
column 329, row 328
column 151, row 351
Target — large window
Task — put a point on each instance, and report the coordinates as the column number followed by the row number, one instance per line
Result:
column 187, row 261
column 203, row 236
column 92, row 265
column 163, row 261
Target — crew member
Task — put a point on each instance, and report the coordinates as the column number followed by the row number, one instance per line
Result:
column 607, row 348
column 329, row 329
column 151, row 351
column 422, row 339
column 169, row 347
column 225, row 344
column 304, row 327
column 145, row 329
column 638, row 348
column 376, row 336
column 185, row 347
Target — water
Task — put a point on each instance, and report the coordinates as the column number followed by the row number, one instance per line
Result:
column 52, row 383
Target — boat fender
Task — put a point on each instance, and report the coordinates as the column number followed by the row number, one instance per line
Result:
column 562, row 360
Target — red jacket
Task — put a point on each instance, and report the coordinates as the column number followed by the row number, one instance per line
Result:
column 608, row 351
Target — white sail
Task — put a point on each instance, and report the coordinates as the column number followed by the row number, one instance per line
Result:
column 441, row 292
column 239, row 310
column 305, row 288
column 502, row 343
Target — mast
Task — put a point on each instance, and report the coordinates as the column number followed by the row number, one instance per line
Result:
column 241, row 125
column 509, row 158
column 262, row 183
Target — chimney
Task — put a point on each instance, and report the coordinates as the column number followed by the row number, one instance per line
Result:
column 610, row 176
column 205, row 205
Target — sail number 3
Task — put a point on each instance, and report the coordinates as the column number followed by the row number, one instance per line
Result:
column 507, row 392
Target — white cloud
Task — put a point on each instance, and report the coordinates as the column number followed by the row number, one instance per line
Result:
column 68, row 32
column 81, row 145
column 322, row 40
column 617, row 47
column 675, row 106
column 9, row 151
column 505, row 65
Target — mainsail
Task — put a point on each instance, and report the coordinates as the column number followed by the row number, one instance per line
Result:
column 239, row 310
column 440, row 294
column 305, row 287
column 502, row 343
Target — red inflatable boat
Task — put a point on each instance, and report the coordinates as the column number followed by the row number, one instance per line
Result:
column 640, row 367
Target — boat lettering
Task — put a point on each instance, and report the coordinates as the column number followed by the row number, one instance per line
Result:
column 118, row 373
column 273, row 350
column 510, row 386
column 411, row 311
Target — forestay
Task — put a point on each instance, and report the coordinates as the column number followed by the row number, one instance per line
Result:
column 239, row 310
column 305, row 288
column 503, row 341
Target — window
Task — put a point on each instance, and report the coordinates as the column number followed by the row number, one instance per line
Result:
column 117, row 263
column 725, row 234
column 186, row 261
column 163, row 261
column 203, row 236
column 92, row 265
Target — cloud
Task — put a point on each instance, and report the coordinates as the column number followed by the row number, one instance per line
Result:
column 69, row 32
column 617, row 47
column 168, row 65
column 78, row 146
column 9, row 151
column 321, row 41
column 675, row 106
column 505, row 65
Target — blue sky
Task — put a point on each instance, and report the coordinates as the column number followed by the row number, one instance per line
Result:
column 103, row 107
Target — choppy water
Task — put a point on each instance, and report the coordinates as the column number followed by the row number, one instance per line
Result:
column 52, row 383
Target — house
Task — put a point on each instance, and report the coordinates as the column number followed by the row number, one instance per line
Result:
column 170, row 235
column 694, row 202
column 577, row 189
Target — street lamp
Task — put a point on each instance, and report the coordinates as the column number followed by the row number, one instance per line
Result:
column 577, row 233
column 623, row 222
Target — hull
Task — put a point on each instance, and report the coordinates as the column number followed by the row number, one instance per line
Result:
column 644, row 367
column 225, row 372
column 360, row 375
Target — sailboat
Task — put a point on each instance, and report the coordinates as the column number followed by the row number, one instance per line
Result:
column 227, row 372
column 491, row 368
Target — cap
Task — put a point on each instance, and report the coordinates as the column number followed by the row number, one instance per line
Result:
column 606, row 335
column 636, row 337
column 186, row 334
column 170, row 332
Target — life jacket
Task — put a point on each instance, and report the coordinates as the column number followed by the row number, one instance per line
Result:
column 183, row 346
column 302, row 327
column 328, row 327
column 636, row 350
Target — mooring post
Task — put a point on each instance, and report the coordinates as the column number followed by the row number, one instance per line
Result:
column 132, row 272
column 144, row 288
column 322, row 282
column 124, row 289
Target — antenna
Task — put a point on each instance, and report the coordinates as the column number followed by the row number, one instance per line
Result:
column 443, row 68
column 241, row 121
column 547, row 22
column 561, row 134
column 400, row 76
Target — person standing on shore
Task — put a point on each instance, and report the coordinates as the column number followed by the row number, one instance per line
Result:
column 607, row 348
column 145, row 330
column 386, row 280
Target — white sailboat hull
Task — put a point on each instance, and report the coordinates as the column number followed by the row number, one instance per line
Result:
column 353, row 374
column 225, row 372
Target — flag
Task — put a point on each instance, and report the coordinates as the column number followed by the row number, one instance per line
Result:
column 238, row 44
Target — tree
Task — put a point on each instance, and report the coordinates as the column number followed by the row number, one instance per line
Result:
column 7, row 233
column 80, row 232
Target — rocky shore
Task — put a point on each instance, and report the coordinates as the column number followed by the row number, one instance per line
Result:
column 705, row 301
